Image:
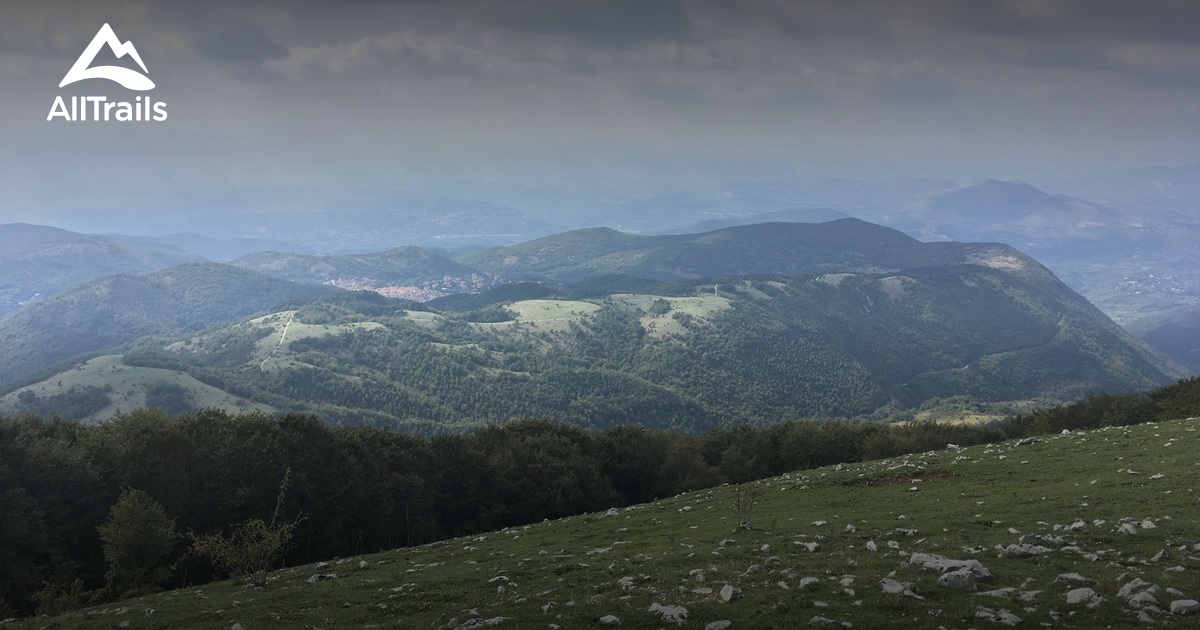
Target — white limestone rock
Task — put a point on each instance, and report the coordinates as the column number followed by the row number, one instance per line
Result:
column 1185, row 607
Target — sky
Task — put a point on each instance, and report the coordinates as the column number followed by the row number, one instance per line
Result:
column 273, row 95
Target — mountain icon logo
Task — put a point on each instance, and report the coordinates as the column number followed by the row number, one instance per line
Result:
column 128, row 78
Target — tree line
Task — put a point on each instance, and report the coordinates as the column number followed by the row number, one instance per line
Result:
column 71, row 493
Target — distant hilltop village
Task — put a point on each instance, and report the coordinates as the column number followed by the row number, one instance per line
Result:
column 424, row 292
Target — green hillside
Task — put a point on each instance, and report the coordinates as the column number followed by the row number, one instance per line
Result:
column 99, row 388
column 1033, row 522
column 114, row 310
column 756, row 323
column 836, row 345
column 39, row 261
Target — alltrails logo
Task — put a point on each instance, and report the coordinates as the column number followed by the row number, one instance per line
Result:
column 99, row 107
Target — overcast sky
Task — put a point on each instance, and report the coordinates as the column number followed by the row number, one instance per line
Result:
column 272, row 91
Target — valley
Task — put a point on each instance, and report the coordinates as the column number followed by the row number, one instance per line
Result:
column 755, row 323
column 595, row 314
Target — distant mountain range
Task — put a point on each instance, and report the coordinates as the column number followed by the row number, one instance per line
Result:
column 215, row 249
column 1143, row 184
column 1175, row 333
column 39, row 261
column 1130, row 260
column 1022, row 215
column 745, row 324
column 1129, row 249
column 401, row 266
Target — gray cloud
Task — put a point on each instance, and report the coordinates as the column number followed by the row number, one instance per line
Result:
column 264, row 88
column 614, row 23
column 241, row 41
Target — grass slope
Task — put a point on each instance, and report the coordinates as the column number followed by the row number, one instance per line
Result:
column 964, row 504
column 128, row 387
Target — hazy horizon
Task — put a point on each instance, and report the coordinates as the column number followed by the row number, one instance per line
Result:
column 294, row 110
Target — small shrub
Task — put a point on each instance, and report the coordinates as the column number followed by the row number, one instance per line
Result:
column 249, row 551
column 252, row 548
column 57, row 598
column 744, row 498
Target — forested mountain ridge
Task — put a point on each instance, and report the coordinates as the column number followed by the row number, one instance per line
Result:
column 39, row 261
column 787, row 249
column 753, row 323
column 686, row 356
column 114, row 310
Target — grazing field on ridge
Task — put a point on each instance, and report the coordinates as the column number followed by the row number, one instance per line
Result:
column 1089, row 529
column 129, row 387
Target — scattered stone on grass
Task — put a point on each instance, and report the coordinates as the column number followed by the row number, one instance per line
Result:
column 670, row 614
column 944, row 564
column 1023, row 550
column 321, row 577
column 1143, row 600
column 1073, row 578
column 1012, row 593
column 890, row 585
column 1133, row 586
column 479, row 622
column 1185, row 607
column 997, row 616
column 1084, row 596
column 824, row 622
column 959, row 580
